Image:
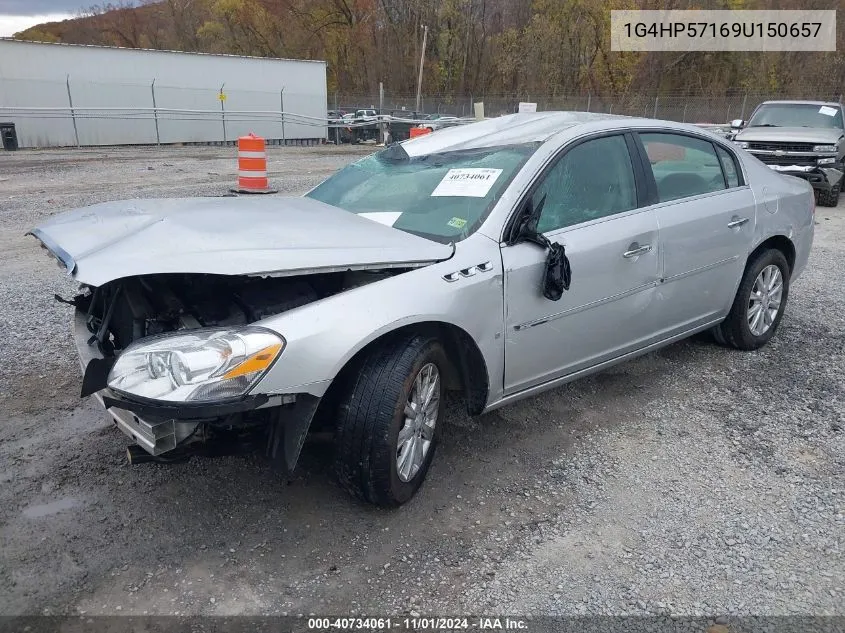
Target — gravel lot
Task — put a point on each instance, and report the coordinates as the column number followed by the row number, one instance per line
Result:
column 695, row 480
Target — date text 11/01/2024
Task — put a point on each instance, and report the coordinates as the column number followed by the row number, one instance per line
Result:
column 724, row 29
column 418, row 624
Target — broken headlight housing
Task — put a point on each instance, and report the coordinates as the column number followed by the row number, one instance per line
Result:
column 203, row 365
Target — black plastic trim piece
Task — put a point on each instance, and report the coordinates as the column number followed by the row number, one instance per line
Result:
column 96, row 375
column 289, row 427
column 163, row 411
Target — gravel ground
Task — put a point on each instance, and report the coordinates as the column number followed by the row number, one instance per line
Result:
column 694, row 480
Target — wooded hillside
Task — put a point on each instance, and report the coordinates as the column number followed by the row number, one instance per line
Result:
column 480, row 47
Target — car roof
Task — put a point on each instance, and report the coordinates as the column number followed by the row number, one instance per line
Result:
column 530, row 127
column 509, row 129
column 797, row 102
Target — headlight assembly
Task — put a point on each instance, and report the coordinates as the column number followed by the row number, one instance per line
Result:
column 824, row 148
column 203, row 365
column 742, row 144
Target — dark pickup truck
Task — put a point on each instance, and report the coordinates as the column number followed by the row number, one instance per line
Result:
column 799, row 138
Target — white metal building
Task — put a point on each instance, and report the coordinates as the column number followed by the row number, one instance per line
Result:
column 66, row 94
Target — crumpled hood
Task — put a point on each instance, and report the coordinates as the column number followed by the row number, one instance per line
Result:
column 270, row 236
column 819, row 136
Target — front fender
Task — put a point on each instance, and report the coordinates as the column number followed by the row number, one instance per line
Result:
column 323, row 336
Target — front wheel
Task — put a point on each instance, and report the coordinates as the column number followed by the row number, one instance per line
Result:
column 759, row 303
column 830, row 198
column 386, row 431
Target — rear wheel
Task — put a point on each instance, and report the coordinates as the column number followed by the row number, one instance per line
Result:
column 830, row 198
column 759, row 303
column 386, row 432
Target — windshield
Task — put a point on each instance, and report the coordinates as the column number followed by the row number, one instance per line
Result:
column 442, row 197
column 797, row 115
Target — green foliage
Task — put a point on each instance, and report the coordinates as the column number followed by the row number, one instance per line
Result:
column 36, row 34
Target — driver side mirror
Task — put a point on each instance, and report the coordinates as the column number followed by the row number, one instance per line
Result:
column 737, row 123
column 557, row 274
column 525, row 230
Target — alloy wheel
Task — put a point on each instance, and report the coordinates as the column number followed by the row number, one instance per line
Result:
column 765, row 300
column 417, row 433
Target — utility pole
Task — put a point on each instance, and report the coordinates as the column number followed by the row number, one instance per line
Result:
column 381, row 125
column 422, row 61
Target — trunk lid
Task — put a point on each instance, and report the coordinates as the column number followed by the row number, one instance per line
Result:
column 266, row 236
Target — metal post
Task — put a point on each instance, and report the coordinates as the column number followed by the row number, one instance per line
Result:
column 744, row 100
column 654, row 115
column 422, row 61
column 282, row 106
column 589, row 100
column 223, row 110
column 684, row 116
column 155, row 110
column 72, row 112
column 381, row 112
column 610, row 109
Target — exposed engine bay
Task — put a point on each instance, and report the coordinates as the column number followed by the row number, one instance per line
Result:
column 125, row 310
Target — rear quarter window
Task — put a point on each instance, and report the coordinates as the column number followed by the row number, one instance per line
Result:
column 729, row 167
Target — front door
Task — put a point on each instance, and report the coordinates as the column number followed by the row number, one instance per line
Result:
column 591, row 207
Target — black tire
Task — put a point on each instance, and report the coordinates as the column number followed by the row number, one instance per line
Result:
column 830, row 198
column 735, row 330
column 372, row 414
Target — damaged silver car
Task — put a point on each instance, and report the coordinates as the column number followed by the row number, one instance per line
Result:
column 496, row 260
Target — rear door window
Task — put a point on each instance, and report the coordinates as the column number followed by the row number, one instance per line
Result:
column 683, row 166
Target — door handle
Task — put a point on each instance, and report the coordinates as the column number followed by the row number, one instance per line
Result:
column 636, row 250
column 738, row 222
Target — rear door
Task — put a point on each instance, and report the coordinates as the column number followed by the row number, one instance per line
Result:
column 593, row 207
column 706, row 215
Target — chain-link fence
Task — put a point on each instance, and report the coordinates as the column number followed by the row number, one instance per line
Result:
column 72, row 112
column 50, row 113
column 673, row 106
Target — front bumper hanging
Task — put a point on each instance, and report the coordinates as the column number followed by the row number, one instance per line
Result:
column 160, row 427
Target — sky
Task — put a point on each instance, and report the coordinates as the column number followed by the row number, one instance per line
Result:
column 17, row 15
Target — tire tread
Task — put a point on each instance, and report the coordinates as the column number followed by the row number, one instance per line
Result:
column 732, row 331
column 830, row 198
column 365, row 416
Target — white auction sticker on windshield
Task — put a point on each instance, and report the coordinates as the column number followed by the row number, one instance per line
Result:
column 382, row 217
column 469, row 182
column 827, row 110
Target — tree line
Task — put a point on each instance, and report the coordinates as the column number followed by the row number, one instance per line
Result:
column 474, row 47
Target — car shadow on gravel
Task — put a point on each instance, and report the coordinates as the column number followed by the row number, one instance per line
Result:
column 77, row 514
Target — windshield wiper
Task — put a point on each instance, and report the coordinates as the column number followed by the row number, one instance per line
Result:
column 764, row 125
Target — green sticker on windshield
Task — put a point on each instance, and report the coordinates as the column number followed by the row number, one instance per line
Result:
column 457, row 223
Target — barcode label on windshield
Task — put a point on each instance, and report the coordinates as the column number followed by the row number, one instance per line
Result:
column 469, row 182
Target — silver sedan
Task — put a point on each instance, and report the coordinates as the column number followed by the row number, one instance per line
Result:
column 497, row 259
